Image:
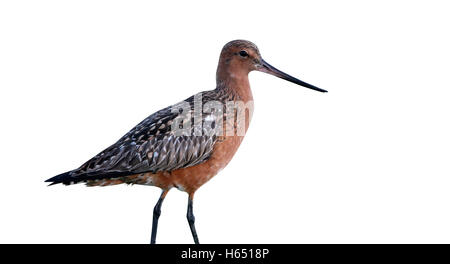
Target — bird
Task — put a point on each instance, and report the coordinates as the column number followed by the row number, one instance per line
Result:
column 184, row 145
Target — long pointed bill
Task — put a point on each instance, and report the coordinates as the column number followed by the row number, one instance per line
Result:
column 267, row 68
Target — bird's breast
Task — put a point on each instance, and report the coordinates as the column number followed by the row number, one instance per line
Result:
column 191, row 178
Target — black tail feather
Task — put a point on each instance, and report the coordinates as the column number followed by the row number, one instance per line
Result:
column 61, row 178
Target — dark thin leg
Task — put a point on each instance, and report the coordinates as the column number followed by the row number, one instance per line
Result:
column 156, row 214
column 191, row 220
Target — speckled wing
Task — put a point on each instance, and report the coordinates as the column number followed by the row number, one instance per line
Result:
column 151, row 146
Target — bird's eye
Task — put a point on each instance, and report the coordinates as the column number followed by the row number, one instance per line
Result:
column 243, row 53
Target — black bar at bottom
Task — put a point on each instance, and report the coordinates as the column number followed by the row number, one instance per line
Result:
column 232, row 253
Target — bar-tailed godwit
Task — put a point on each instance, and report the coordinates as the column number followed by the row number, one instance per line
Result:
column 188, row 143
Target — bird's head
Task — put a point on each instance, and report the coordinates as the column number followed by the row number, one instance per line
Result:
column 239, row 57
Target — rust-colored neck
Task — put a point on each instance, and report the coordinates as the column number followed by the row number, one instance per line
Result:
column 234, row 78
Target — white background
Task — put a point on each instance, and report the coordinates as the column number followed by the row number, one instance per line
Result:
column 366, row 163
